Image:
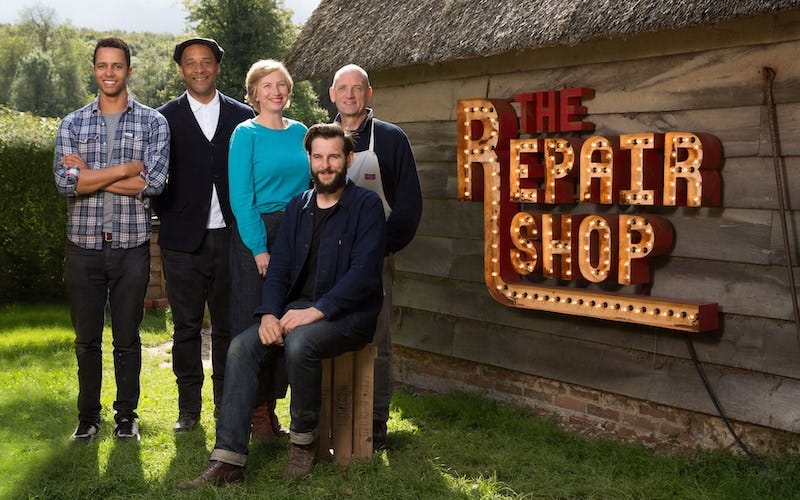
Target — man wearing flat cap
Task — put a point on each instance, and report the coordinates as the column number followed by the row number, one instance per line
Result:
column 196, row 217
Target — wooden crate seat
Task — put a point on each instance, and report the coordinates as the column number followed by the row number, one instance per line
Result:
column 345, row 420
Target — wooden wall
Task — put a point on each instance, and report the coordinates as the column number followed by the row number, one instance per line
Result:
column 700, row 80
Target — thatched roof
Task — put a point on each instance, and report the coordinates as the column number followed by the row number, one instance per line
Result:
column 383, row 34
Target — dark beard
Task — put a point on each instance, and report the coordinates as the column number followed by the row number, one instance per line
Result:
column 336, row 184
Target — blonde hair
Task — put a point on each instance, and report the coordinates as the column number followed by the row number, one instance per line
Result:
column 259, row 70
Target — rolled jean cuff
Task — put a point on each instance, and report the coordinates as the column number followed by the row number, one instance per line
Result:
column 228, row 457
column 303, row 438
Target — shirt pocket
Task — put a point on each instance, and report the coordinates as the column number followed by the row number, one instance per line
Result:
column 132, row 148
column 91, row 150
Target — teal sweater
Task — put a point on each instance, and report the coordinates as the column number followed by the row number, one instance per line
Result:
column 266, row 168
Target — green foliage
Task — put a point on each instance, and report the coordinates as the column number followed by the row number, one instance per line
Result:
column 14, row 45
column 36, row 85
column 32, row 214
column 55, row 80
column 47, row 66
column 45, row 76
column 251, row 30
column 304, row 106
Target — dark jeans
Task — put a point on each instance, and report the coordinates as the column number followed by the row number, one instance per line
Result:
column 305, row 348
column 246, row 297
column 384, row 380
column 194, row 279
column 119, row 278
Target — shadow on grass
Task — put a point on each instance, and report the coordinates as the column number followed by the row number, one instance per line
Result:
column 14, row 316
column 35, row 349
column 190, row 454
column 51, row 462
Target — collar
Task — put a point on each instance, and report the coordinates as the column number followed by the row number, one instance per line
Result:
column 311, row 195
column 94, row 106
column 196, row 105
column 363, row 126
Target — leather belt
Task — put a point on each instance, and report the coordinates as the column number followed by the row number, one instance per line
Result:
column 107, row 237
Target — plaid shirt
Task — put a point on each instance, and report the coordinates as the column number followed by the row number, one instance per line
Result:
column 142, row 135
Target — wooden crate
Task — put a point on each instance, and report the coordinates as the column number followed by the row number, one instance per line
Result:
column 345, row 423
column 156, row 297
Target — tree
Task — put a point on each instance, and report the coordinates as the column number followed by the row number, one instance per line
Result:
column 35, row 85
column 250, row 30
column 42, row 21
column 14, row 45
column 72, row 58
column 155, row 78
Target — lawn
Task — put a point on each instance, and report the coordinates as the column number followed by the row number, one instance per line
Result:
column 456, row 446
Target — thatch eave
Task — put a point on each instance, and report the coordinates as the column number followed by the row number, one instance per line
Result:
column 396, row 33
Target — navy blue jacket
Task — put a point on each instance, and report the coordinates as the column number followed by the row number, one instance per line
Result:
column 398, row 176
column 195, row 164
column 350, row 260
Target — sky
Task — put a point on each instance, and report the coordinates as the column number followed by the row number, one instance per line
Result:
column 158, row 16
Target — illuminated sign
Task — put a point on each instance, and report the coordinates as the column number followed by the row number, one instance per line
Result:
column 540, row 251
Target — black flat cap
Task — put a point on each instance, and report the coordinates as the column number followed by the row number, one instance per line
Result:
column 208, row 42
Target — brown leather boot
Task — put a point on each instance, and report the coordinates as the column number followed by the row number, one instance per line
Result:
column 301, row 461
column 217, row 473
column 261, row 430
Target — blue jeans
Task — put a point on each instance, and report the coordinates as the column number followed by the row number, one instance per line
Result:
column 93, row 278
column 305, row 348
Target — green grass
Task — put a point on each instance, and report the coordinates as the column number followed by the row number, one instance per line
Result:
column 440, row 446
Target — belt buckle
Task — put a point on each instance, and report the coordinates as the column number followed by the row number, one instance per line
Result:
column 107, row 237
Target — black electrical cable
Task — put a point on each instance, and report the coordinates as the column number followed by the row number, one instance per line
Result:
column 711, row 394
column 769, row 77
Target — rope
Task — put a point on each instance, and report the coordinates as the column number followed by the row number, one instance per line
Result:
column 769, row 78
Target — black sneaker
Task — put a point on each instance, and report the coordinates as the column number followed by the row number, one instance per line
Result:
column 187, row 421
column 127, row 428
column 85, row 431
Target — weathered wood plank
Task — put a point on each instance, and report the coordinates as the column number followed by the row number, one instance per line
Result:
column 731, row 255
column 778, row 256
column 758, row 398
column 747, row 396
column 750, row 182
column 742, row 342
column 787, row 129
column 451, row 218
column 750, row 31
column 438, row 179
column 697, row 80
column 741, row 130
column 429, row 101
column 757, row 291
column 443, row 257
column 663, row 83
column 747, row 182
column 739, row 288
column 732, row 235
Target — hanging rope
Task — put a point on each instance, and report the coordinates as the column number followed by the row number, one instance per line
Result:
column 769, row 78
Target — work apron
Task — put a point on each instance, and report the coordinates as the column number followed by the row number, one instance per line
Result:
column 365, row 171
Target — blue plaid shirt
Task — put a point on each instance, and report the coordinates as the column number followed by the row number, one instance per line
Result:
column 142, row 135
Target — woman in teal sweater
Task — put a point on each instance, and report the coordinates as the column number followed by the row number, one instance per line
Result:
column 267, row 166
